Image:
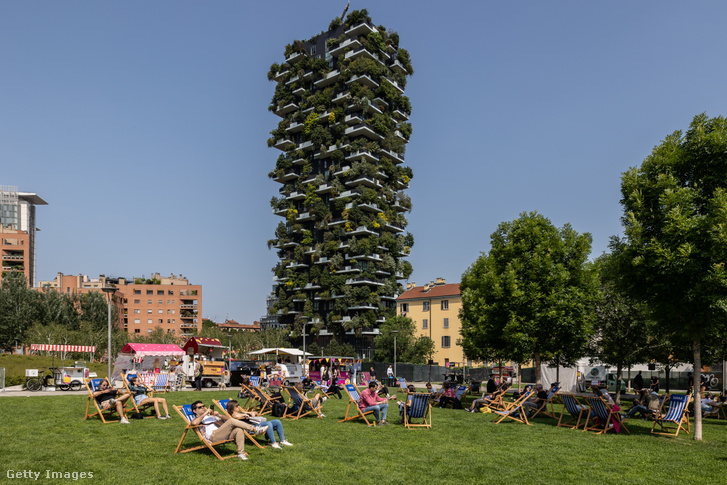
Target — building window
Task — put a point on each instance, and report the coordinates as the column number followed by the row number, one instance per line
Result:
column 425, row 323
column 161, row 302
column 137, row 292
column 136, row 330
column 446, row 323
column 313, row 50
column 161, row 312
column 404, row 307
column 149, row 321
column 445, row 304
column 149, row 311
column 169, row 321
column 445, row 341
column 170, row 292
column 161, row 320
column 148, row 302
column 136, row 320
column 160, row 292
column 425, row 306
column 136, row 302
column 149, row 292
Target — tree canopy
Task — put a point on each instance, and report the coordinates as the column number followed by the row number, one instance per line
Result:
column 410, row 348
column 530, row 296
column 675, row 245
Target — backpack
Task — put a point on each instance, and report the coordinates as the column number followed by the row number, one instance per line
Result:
column 279, row 409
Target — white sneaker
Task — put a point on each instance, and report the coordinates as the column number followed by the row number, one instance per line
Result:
column 286, row 443
column 322, row 415
column 242, row 456
column 324, row 399
column 124, row 421
column 277, row 446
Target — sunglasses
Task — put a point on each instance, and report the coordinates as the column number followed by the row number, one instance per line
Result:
column 201, row 406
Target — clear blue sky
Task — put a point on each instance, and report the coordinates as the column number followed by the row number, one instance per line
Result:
column 144, row 124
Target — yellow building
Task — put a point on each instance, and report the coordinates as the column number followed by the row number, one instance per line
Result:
column 434, row 309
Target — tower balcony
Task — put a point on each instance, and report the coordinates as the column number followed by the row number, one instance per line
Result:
column 341, row 97
column 294, row 57
column 362, row 155
column 281, row 74
column 299, row 91
column 396, row 85
column 401, row 115
column 306, row 145
column 294, row 127
column 353, row 119
column 360, row 29
column 295, row 264
column 361, row 52
column 361, row 231
column 399, row 207
column 284, row 144
column 363, row 280
column 286, row 177
column 329, row 78
column 288, row 108
column 365, row 306
column 352, row 43
column 296, row 196
column 370, row 207
column 364, row 80
column 365, row 257
column 363, row 129
column 348, row 193
column 304, row 216
column 365, row 181
column 342, row 170
column 349, row 270
column 398, row 67
column 292, row 80
column 324, row 188
column 391, row 227
column 397, row 158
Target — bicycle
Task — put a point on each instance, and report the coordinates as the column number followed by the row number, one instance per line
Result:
column 36, row 383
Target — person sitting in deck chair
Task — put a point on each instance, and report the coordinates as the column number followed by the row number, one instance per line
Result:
column 448, row 396
column 371, row 401
column 404, row 405
column 538, row 399
column 218, row 427
column 317, row 400
column 106, row 397
column 139, row 392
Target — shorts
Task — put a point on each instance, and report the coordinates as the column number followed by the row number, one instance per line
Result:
column 108, row 403
column 139, row 398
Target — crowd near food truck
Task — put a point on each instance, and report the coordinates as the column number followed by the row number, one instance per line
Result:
column 151, row 362
column 209, row 352
column 287, row 365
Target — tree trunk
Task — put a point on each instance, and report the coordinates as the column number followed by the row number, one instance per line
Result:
column 667, row 370
column 697, row 394
column 619, row 371
column 536, row 361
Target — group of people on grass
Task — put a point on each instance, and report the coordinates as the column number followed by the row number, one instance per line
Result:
column 108, row 396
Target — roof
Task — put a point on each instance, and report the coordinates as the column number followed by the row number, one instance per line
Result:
column 436, row 291
column 195, row 342
column 280, row 351
column 152, row 349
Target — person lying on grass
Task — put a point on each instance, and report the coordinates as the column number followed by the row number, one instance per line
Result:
column 139, row 393
column 218, row 427
column 106, row 398
column 233, row 408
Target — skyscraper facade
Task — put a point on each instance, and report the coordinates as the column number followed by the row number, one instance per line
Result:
column 17, row 232
column 342, row 239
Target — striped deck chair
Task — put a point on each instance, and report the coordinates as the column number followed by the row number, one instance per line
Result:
column 262, row 402
column 161, row 382
column 222, row 405
column 515, row 410
column 603, row 417
column 353, row 401
column 138, row 408
column 299, row 405
column 420, row 408
column 92, row 386
column 574, row 408
column 402, row 384
column 675, row 418
column 544, row 405
column 188, row 415
column 323, row 388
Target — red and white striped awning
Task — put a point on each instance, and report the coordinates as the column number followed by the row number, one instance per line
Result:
column 63, row 348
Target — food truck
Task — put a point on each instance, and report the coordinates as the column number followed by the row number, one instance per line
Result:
column 209, row 352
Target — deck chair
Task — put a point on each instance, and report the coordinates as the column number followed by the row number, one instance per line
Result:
column 608, row 419
column 402, row 384
column 353, row 401
column 324, row 389
column 498, row 398
column 302, row 405
column 544, row 405
column 574, row 408
column 137, row 408
column 675, row 418
column 515, row 410
column 161, row 383
column 188, row 415
column 92, row 386
column 262, row 402
column 222, row 405
column 421, row 408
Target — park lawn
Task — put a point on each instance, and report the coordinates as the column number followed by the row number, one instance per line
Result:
column 42, row 433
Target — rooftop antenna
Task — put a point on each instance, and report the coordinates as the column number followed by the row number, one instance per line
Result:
column 345, row 10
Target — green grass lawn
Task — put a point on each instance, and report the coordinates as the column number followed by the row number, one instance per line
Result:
column 42, row 433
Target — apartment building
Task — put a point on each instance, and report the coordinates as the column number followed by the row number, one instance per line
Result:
column 434, row 309
column 17, row 232
column 144, row 303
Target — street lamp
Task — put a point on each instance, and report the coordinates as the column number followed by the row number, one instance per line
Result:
column 109, row 290
column 395, row 332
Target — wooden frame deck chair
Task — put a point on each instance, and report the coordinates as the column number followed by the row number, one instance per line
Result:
column 263, row 400
column 319, row 386
column 403, row 384
column 303, row 405
column 608, row 419
column 515, row 410
column 353, row 401
column 188, row 415
column 574, row 408
column 222, row 405
column 161, row 382
column 421, row 408
column 675, row 418
column 544, row 406
column 498, row 398
column 138, row 408
column 92, row 386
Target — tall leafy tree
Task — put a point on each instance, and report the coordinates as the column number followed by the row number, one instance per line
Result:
column 530, row 296
column 19, row 309
column 410, row 348
column 675, row 220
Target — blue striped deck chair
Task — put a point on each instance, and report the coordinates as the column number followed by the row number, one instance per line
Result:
column 544, row 405
column 514, row 410
column 323, row 388
column 222, row 405
column 574, row 408
column 140, row 407
column 675, row 418
column 299, row 405
column 402, row 384
column 188, row 415
column 92, row 386
column 603, row 417
column 161, row 383
column 255, row 381
column 353, row 402
column 420, row 408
